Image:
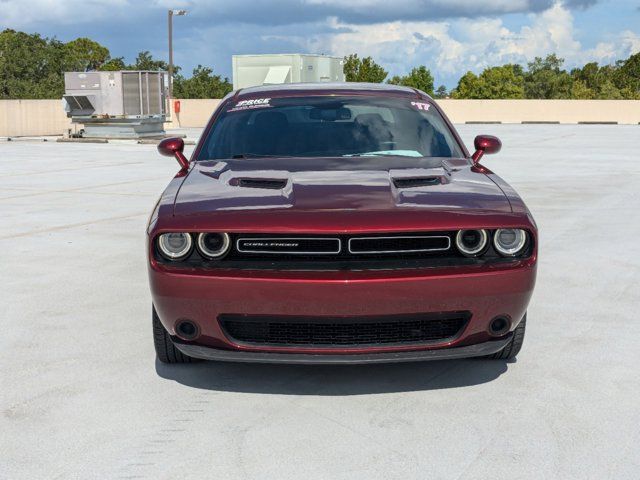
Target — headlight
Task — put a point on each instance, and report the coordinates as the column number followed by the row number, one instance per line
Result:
column 213, row 245
column 509, row 241
column 175, row 246
column 472, row 242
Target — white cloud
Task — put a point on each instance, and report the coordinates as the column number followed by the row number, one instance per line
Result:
column 626, row 43
column 22, row 13
column 400, row 34
column 477, row 44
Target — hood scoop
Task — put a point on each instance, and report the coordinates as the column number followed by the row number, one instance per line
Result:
column 413, row 182
column 265, row 183
column 407, row 178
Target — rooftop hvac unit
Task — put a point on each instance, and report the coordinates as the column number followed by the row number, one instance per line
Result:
column 125, row 104
column 253, row 70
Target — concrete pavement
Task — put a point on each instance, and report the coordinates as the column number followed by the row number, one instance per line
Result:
column 83, row 397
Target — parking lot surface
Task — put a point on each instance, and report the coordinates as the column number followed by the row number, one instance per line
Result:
column 83, row 397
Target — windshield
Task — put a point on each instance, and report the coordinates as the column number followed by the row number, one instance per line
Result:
column 329, row 126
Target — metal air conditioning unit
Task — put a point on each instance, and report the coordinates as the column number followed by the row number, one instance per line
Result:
column 253, row 70
column 123, row 104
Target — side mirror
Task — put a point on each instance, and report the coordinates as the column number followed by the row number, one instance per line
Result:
column 485, row 144
column 173, row 147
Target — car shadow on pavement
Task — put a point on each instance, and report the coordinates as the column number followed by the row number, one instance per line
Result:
column 333, row 380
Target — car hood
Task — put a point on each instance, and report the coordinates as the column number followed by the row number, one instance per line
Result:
column 365, row 184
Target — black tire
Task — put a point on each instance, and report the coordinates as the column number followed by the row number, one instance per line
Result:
column 513, row 347
column 165, row 349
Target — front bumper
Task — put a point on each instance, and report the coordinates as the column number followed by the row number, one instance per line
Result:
column 204, row 296
column 477, row 350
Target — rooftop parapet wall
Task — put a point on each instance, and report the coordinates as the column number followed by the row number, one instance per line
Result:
column 543, row 111
column 196, row 113
column 22, row 118
column 47, row 117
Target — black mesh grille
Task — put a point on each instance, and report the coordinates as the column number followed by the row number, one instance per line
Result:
column 343, row 332
column 411, row 244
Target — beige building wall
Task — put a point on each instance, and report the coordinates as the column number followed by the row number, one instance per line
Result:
column 47, row 117
column 559, row 111
column 196, row 113
column 22, row 118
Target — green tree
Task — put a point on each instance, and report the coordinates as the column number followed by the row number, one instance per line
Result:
column 590, row 75
column 363, row 70
column 630, row 94
column 580, row 91
column 502, row 82
column 114, row 64
column 83, row 55
column 545, row 78
column 468, row 86
column 593, row 81
column 627, row 77
column 420, row 78
column 30, row 66
column 203, row 84
column 441, row 92
column 145, row 61
column 608, row 91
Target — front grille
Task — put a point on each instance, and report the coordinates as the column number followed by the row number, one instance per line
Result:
column 343, row 331
column 396, row 244
column 342, row 247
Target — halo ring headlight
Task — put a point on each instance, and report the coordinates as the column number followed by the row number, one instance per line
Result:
column 472, row 242
column 213, row 245
column 175, row 245
column 509, row 242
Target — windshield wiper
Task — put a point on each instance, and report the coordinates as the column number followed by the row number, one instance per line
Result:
column 380, row 154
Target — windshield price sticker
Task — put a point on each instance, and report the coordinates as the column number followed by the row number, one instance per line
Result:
column 421, row 106
column 251, row 104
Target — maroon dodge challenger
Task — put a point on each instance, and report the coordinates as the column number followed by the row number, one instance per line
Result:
column 337, row 223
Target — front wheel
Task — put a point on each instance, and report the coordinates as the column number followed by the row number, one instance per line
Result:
column 513, row 347
column 166, row 351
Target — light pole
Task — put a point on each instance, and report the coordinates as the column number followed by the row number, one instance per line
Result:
column 170, row 15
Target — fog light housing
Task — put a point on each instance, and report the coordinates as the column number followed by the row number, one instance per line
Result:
column 510, row 242
column 187, row 330
column 499, row 326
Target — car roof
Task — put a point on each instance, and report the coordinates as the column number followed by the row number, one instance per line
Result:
column 327, row 88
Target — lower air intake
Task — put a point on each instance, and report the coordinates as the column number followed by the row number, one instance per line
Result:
column 343, row 331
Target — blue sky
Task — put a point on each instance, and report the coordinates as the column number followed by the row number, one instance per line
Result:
column 448, row 36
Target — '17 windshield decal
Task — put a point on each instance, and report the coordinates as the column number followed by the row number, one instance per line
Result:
column 421, row 106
